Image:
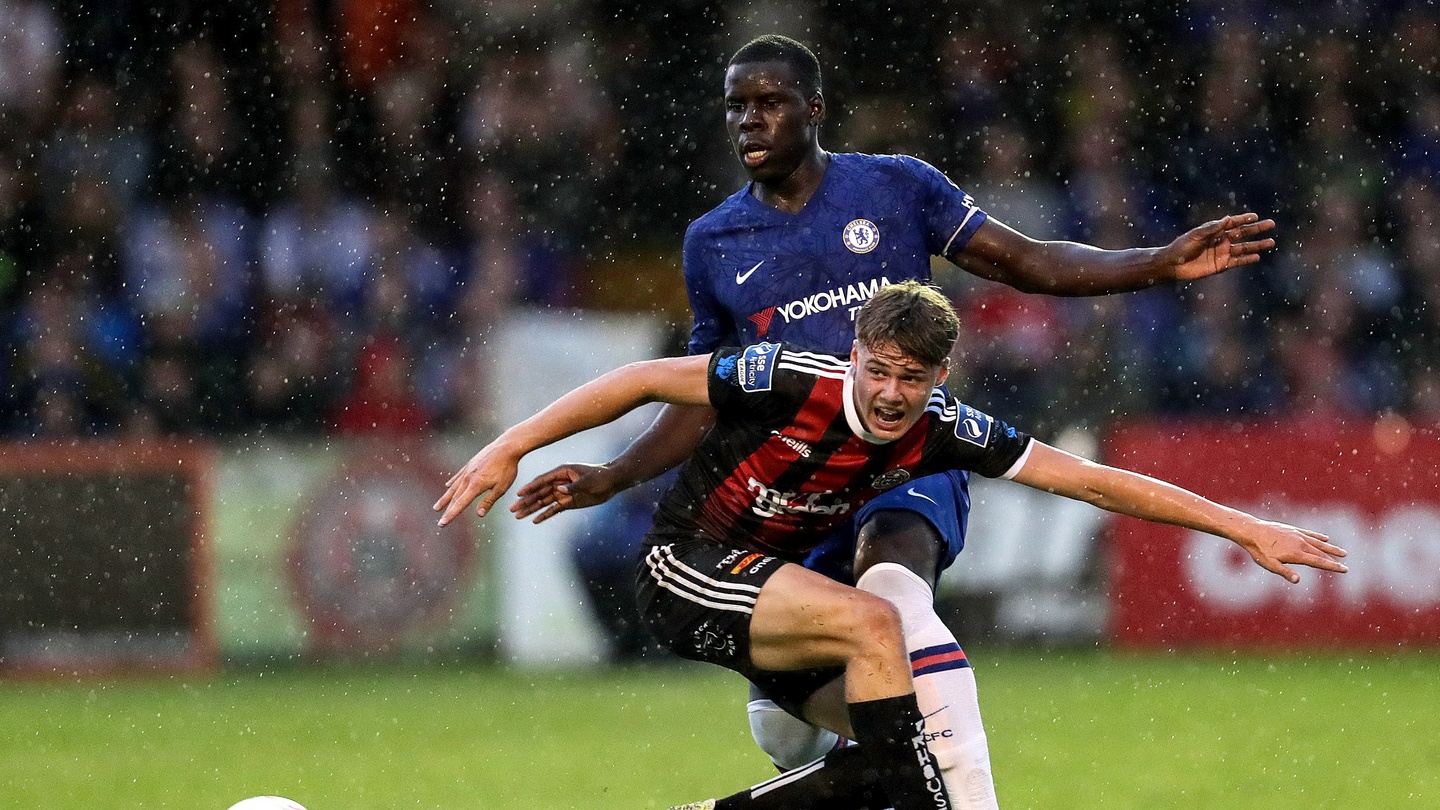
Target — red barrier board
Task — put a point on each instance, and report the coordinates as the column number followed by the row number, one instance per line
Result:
column 1373, row 488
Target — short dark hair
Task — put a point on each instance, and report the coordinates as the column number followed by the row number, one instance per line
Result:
column 776, row 48
column 916, row 318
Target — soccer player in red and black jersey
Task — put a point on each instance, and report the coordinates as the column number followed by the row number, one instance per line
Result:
column 789, row 258
column 801, row 441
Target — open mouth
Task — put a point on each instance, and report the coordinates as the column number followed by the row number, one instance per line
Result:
column 754, row 154
column 887, row 418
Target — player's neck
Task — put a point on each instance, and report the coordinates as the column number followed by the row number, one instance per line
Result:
column 790, row 193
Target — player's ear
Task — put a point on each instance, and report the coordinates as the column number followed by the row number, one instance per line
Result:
column 817, row 108
column 855, row 352
column 944, row 372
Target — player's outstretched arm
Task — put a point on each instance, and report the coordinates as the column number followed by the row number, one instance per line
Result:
column 676, row 431
column 1000, row 253
column 1272, row 545
column 491, row 472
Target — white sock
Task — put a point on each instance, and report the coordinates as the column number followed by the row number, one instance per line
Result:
column 944, row 686
column 789, row 741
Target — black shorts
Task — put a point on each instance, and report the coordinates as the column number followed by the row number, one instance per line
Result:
column 696, row 598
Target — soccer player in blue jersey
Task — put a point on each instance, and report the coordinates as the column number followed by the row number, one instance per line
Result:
column 802, row 441
column 791, row 257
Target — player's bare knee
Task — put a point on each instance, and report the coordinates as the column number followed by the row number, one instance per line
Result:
column 875, row 625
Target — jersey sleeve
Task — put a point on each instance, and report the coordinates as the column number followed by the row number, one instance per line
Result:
column 969, row 439
column 951, row 215
column 750, row 383
column 712, row 328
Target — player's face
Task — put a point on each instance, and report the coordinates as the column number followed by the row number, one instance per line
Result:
column 771, row 121
column 891, row 388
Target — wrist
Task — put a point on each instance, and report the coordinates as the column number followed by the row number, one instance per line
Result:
column 617, row 475
column 512, row 445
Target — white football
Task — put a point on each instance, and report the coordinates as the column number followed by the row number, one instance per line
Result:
column 266, row 803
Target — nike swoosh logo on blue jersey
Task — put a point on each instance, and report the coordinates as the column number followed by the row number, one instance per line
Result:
column 740, row 277
column 911, row 491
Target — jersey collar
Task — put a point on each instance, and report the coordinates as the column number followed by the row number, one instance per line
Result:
column 852, row 416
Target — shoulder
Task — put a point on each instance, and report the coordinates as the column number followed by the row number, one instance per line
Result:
column 893, row 166
column 800, row 361
column 759, row 366
column 969, row 424
column 719, row 218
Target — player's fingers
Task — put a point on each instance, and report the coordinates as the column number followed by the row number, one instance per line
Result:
column 554, row 510
column 451, row 487
column 1252, row 229
column 1326, row 546
column 535, row 493
column 456, row 505
column 1323, row 563
column 1210, row 229
column 493, row 491
column 535, row 501
column 1273, row 563
column 1309, row 555
column 1253, row 247
column 1242, row 220
column 546, row 480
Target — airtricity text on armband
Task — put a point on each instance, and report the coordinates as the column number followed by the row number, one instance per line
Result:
column 756, row 366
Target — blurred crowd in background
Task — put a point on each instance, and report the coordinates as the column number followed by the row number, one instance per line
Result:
column 306, row 216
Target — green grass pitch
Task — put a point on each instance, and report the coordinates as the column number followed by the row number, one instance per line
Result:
column 1066, row 730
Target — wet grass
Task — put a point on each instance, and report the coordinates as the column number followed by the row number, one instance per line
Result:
column 1066, row 730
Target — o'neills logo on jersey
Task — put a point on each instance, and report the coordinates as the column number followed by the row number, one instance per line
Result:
column 801, row 448
column 850, row 298
column 771, row 502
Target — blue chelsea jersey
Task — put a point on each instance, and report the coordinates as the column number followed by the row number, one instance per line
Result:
column 755, row 273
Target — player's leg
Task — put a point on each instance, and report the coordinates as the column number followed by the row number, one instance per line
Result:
column 841, row 780
column 789, row 741
column 899, row 552
column 804, row 620
column 920, row 527
column 766, row 618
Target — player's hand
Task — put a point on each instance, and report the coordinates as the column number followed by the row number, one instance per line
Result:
column 1221, row 244
column 1273, row 544
column 486, row 476
column 569, row 486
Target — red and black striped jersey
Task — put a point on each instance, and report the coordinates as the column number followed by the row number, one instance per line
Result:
column 789, row 458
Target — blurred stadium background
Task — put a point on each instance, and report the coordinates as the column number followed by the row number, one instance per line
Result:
column 269, row 269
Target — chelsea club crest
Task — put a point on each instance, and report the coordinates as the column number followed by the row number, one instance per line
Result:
column 861, row 236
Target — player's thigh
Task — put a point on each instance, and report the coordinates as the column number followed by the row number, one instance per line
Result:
column 900, row 537
column 920, row 524
column 802, row 619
